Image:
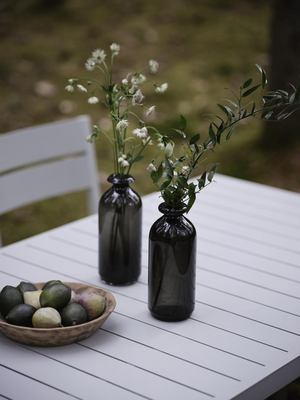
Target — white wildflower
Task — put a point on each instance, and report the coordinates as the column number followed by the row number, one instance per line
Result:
column 90, row 65
column 125, row 82
column 141, row 79
column 89, row 138
column 123, row 163
column 153, row 66
column 121, row 125
column 70, row 88
column 115, row 48
column 93, row 100
column 168, row 150
column 72, row 81
column 137, row 97
column 162, row 88
column 132, row 89
column 98, row 56
column 150, row 111
column 151, row 168
column 140, row 133
column 81, row 88
column 147, row 141
column 160, row 146
column 134, row 81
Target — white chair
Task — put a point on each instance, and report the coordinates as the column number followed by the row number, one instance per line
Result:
column 58, row 161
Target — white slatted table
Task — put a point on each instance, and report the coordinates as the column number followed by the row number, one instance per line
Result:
column 242, row 341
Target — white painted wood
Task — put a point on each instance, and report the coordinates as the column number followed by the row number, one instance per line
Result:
column 243, row 340
column 57, row 158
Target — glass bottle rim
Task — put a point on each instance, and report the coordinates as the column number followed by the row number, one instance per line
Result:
column 116, row 180
column 164, row 208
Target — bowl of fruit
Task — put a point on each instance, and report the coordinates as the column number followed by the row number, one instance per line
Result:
column 53, row 313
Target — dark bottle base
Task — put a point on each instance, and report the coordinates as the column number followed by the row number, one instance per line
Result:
column 165, row 316
column 119, row 284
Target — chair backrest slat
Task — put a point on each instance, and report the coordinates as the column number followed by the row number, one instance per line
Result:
column 57, row 161
column 39, row 143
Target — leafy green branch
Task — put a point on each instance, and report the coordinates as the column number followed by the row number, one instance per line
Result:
column 171, row 175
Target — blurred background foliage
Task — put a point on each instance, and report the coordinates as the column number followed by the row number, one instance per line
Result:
column 201, row 46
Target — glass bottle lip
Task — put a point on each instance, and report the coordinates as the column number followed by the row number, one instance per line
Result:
column 116, row 180
column 169, row 210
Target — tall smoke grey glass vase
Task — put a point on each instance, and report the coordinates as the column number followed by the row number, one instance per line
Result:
column 172, row 265
column 120, row 232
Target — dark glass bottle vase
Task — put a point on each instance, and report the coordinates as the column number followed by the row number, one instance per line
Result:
column 172, row 265
column 120, row 232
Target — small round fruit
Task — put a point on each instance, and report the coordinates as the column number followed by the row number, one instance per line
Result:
column 50, row 283
column 33, row 298
column 21, row 315
column 56, row 296
column 26, row 287
column 10, row 296
column 93, row 304
column 73, row 314
column 46, row 317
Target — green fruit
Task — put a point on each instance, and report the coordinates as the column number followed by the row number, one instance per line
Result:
column 46, row 318
column 33, row 298
column 93, row 304
column 26, row 287
column 21, row 315
column 73, row 314
column 50, row 283
column 56, row 296
column 9, row 297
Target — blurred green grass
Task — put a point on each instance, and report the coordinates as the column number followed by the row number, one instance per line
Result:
column 201, row 46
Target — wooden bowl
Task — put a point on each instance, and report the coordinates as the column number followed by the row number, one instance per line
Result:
column 64, row 335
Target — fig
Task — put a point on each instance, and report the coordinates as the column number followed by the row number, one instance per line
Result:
column 33, row 298
column 74, row 297
column 26, row 287
column 73, row 314
column 46, row 317
column 56, row 296
column 9, row 297
column 21, row 315
column 93, row 304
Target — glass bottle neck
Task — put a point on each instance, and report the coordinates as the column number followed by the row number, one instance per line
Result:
column 120, row 182
column 172, row 211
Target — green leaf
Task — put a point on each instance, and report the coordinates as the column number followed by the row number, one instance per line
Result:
column 195, row 138
column 253, row 109
column 188, row 152
column 226, row 110
column 264, row 80
column 283, row 92
column 212, row 135
column 247, row 83
column 165, row 185
column 190, row 202
column 248, row 92
column 182, row 123
column 159, row 172
column 282, row 116
column 180, row 132
column 182, row 182
column 297, row 94
column 228, row 136
column 169, row 168
column 202, row 180
column 232, row 102
column 212, row 173
column 267, row 114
